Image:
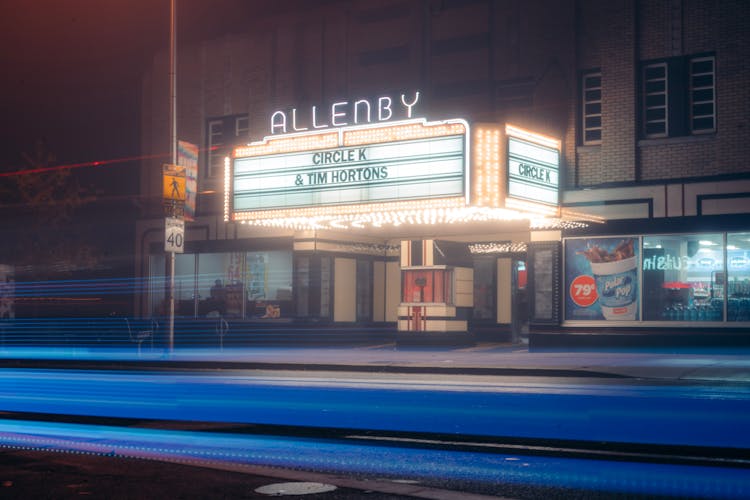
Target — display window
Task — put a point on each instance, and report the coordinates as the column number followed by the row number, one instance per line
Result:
column 689, row 278
column 232, row 284
column 738, row 277
column 683, row 277
column 184, row 282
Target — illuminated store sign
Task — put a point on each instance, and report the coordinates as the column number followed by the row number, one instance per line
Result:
column 344, row 113
column 405, row 161
column 533, row 171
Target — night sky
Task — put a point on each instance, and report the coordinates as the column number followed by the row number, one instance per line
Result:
column 71, row 73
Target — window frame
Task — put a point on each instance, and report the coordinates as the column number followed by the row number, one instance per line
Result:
column 586, row 102
column 223, row 133
column 689, row 97
column 645, row 94
column 214, row 145
column 242, row 131
column 693, row 89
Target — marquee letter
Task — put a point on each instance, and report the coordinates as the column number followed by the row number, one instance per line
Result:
column 315, row 119
column 356, row 110
column 409, row 106
column 386, row 107
column 280, row 124
column 294, row 121
column 335, row 114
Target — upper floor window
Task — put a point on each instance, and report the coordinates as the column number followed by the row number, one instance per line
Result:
column 222, row 134
column 678, row 97
column 591, row 112
column 702, row 95
column 242, row 127
column 655, row 100
column 215, row 142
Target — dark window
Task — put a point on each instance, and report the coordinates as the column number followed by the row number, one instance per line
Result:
column 655, row 100
column 222, row 134
column 215, row 143
column 702, row 95
column 591, row 112
column 678, row 97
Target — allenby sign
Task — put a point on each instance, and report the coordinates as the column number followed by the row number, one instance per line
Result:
column 345, row 113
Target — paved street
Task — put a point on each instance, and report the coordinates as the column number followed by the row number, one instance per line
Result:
column 488, row 389
column 55, row 475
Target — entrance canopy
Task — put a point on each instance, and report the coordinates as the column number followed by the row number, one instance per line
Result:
column 411, row 172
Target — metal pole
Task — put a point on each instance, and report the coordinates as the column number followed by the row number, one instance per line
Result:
column 172, row 147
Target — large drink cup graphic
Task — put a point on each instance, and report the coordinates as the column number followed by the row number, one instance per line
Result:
column 617, row 287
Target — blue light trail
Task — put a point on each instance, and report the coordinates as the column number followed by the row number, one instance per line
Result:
column 446, row 404
column 488, row 470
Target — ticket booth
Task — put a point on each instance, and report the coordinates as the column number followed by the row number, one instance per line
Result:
column 436, row 287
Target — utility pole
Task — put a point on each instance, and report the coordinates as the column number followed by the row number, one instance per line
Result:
column 173, row 150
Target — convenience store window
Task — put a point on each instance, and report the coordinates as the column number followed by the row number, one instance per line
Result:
column 683, row 277
column 738, row 277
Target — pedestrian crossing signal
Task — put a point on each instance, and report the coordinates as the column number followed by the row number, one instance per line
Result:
column 174, row 182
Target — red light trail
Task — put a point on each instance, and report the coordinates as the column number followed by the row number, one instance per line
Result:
column 98, row 163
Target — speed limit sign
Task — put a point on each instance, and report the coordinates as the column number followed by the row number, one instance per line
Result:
column 174, row 235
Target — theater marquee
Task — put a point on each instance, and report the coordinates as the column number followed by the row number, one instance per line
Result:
column 409, row 161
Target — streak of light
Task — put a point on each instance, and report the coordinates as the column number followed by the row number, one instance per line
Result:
column 340, row 457
column 616, row 414
column 70, row 166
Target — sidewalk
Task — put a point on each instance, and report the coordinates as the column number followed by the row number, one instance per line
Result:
column 483, row 359
column 501, row 359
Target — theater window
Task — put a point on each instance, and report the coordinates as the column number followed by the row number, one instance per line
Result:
column 678, row 97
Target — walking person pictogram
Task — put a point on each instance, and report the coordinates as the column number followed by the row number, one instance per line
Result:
column 175, row 189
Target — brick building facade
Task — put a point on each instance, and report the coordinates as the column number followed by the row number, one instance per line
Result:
column 648, row 98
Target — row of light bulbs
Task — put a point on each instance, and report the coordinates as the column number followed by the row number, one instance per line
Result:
column 488, row 193
column 419, row 217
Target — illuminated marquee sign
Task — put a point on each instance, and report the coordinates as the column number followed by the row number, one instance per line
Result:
column 351, row 166
column 344, row 113
column 533, row 169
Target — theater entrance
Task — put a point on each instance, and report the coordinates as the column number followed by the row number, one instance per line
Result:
column 500, row 311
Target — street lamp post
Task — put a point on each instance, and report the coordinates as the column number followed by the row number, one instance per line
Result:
column 173, row 150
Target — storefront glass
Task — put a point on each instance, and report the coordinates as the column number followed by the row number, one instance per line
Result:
column 157, row 286
column 364, row 290
column 683, row 277
column 312, row 286
column 484, row 289
column 302, row 279
column 691, row 278
column 269, row 284
column 234, row 284
column 326, row 286
column 738, row 277
column 220, row 284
